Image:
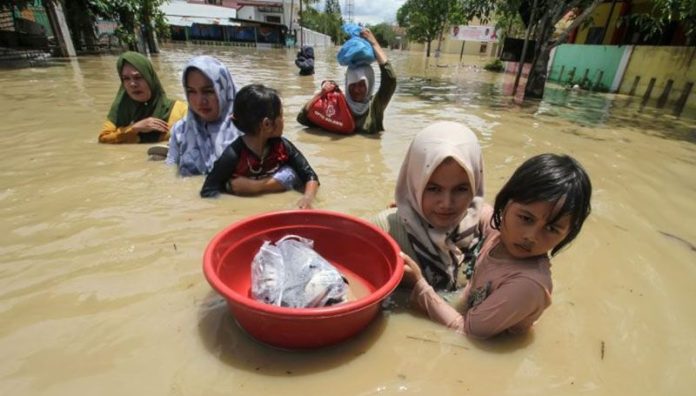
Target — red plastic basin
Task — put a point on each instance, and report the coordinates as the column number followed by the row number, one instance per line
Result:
column 361, row 251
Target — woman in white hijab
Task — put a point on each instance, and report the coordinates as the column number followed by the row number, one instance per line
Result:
column 366, row 107
column 439, row 199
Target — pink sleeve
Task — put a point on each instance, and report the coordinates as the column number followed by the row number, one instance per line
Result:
column 514, row 306
column 425, row 299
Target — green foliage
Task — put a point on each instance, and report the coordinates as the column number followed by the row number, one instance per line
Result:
column 495, row 66
column 425, row 20
column 328, row 22
column 384, row 34
column 510, row 24
column 82, row 15
column 665, row 13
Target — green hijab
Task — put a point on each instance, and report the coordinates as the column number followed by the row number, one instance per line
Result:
column 125, row 111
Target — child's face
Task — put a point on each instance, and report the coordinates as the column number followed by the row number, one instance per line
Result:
column 273, row 128
column 446, row 196
column 525, row 230
column 278, row 125
column 201, row 96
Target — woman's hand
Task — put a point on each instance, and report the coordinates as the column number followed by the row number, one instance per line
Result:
column 367, row 35
column 412, row 271
column 379, row 53
column 151, row 124
column 328, row 86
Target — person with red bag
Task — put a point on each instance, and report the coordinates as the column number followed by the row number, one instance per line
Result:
column 358, row 110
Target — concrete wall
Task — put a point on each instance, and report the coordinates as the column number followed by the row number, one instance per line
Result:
column 312, row 38
column 450, row 46
column 663, row 64
column 600, row 63
column 666, row 75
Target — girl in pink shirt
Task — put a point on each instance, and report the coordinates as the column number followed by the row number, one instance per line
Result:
column 538, row 211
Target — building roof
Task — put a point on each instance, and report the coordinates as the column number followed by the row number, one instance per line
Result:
column 181, row 13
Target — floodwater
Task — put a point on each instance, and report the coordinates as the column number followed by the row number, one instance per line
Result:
column 101, row 288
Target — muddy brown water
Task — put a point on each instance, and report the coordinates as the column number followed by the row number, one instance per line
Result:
column 101, row 288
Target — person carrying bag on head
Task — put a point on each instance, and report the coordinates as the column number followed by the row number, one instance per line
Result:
column 366, row 109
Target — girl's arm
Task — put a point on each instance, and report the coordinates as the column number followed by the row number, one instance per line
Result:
column 513, row 307
column 245, row 186
column 310, row 192
column 219, row 178
column 299, row 163
column 304, row 171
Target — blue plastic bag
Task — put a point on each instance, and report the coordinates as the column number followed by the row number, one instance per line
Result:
column 356, row 51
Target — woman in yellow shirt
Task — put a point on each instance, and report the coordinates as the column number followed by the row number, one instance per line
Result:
column 141, row 111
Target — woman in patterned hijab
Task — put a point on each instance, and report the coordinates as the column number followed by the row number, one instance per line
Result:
column 199, row 139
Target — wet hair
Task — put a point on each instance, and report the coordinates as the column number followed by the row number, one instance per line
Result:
column 252, row 104
column 559, row 179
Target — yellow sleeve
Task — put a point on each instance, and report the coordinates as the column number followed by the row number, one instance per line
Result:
column 112, row 134
column 178, row 112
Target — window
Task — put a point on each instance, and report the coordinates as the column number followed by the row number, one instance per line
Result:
column 272, row 18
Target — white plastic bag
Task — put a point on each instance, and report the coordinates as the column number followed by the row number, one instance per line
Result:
column 291, row 274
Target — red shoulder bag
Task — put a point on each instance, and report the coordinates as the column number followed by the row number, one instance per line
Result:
column 330, row 111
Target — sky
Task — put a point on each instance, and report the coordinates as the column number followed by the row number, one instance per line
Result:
column 372, row 12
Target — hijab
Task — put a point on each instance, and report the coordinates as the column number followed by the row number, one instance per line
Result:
column 354, row 75
column 201, row 143
column 124, row 110
column 440, row 253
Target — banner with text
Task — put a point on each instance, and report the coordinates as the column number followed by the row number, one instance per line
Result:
column 483, row 34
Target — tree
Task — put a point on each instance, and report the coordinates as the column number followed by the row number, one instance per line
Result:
column 665, row 13
column 425, row 20
column 541, row 19
column 384, row 34
column 334, row 20
column 328, row 22
column 145, row 14
column 81, row 17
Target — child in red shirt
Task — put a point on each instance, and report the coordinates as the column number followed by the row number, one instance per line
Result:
column 247, row 166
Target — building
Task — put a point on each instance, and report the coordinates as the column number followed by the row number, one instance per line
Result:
column 246, row 23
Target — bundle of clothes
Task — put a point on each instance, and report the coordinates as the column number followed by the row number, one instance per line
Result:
column 291, row 274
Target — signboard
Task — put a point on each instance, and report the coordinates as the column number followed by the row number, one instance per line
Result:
column 484, row 34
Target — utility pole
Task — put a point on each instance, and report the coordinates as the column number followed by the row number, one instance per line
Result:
column 349, row 10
